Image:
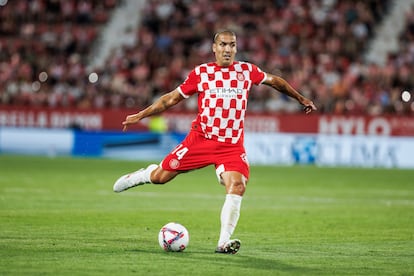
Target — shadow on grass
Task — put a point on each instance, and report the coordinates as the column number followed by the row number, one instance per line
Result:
column 240, row 260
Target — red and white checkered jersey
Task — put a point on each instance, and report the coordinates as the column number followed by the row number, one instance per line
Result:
column 222, row 97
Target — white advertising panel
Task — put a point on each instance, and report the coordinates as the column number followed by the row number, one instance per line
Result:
column 262, row 148
column 330, row 150
column 265, row 148
column 365, row 151
column 36, row 141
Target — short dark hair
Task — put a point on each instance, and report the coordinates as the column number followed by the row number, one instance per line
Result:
column 227, row 32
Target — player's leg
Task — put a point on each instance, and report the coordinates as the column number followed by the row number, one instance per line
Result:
column 235, row 184
column 152, row 174
column 232, row 171
column 188, row 155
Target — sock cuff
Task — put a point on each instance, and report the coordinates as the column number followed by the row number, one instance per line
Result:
column 148, row 172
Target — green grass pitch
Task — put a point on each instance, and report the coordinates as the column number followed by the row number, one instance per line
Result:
column 59, row 216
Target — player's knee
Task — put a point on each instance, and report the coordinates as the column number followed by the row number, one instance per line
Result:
column 158, row 181
column 157, row 178
column 237, row 187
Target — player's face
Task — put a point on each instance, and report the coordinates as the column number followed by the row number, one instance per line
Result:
column 225, row 49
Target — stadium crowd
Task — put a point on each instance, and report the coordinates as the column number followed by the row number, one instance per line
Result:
column 318, row 46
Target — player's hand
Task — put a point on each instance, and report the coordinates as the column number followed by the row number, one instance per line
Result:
column 309, row 106
column 129, row 120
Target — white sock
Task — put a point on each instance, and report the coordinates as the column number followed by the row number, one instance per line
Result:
column 146, row 174
column 230, row 214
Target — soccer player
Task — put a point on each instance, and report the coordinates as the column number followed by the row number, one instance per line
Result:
column 216, row 135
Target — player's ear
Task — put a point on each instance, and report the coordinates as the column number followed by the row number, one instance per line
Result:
column 213, row 47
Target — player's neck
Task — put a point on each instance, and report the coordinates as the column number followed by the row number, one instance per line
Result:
column 224, row 65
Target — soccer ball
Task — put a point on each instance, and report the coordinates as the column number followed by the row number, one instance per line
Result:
column 173, row 237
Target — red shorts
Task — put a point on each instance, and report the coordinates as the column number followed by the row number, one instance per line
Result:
column 196, row 152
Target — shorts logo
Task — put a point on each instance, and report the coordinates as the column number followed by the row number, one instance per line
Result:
column 174, row 164
column 240, row 76
column 243, row 157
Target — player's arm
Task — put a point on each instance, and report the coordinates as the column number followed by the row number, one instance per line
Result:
column 284, row 87
column 160, row 105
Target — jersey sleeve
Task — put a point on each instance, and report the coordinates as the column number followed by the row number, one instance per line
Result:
column 257, row 75
column 189, row 86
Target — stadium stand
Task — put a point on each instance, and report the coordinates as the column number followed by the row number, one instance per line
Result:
column 318, row 46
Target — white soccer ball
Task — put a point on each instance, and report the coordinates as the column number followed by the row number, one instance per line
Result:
column 173, row 237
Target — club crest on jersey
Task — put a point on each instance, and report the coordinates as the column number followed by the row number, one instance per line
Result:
column 174, row 163
column 240, row 76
